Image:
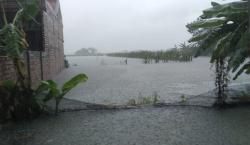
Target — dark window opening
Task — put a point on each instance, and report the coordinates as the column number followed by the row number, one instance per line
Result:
column 33, row 29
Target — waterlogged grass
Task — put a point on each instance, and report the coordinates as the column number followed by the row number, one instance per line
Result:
column 150, row 100
column 144, row 100
column 183, row 98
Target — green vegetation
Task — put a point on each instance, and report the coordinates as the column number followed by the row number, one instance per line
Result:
column 183, row 98
column 182, row 54
column 13, row 42
column 18, row 100
column 224, row 30
column 142, row 100
column 49, row 90
column 18, row 103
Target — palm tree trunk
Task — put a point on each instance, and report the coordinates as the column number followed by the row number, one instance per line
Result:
column 221, row 82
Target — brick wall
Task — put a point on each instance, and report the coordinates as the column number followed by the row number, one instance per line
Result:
column 35, row 69
column 53, row 57
column 42, row 64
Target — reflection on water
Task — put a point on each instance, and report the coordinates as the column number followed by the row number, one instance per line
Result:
column 112, row 81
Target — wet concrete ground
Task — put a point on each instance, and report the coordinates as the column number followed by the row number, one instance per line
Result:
column 148, row 126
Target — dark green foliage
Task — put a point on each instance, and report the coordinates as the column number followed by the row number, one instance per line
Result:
column 49, row 90
column 17, row 99
column 223, row 30
column 13, row 41
column 18, row 104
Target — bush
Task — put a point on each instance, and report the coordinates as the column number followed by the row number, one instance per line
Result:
column 19, row 104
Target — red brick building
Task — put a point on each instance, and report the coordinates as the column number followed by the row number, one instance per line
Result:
column 45, row 57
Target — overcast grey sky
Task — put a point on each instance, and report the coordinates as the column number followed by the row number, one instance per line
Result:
column 118, row 25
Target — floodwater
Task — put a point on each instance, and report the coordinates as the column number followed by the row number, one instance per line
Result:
column 111, row 81
column 115, row 82
column 149, row 126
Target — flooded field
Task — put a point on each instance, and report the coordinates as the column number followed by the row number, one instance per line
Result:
column 113, row 82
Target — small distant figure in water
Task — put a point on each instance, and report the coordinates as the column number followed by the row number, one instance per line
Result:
column 126, row 61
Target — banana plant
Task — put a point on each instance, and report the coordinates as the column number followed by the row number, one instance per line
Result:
column 13, row 44
column 13, row 41
column 223, row 29
column 49, row 90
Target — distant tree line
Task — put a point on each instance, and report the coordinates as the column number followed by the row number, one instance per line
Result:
column 87, row 52
column 182, row 53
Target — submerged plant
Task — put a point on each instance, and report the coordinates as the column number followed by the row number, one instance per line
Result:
column 144, row 100
column 183, row 98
